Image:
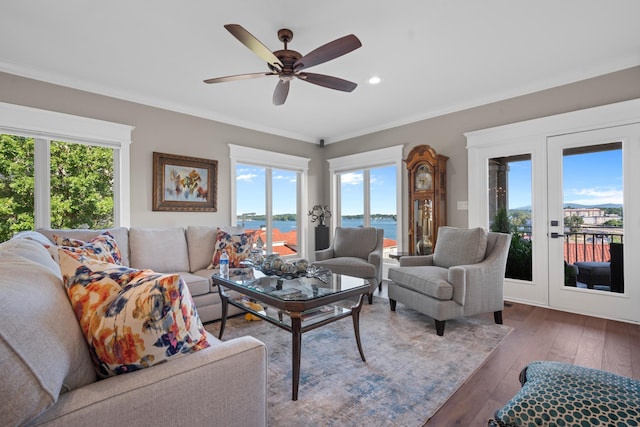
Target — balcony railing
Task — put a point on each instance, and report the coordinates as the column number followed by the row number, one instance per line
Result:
column 591, row 245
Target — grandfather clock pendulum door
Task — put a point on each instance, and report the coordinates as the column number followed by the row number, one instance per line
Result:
column 427, row 198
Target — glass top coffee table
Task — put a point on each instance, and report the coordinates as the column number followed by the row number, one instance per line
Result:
column 297, row 305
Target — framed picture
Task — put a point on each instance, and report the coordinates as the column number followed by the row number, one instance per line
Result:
column 183, row 183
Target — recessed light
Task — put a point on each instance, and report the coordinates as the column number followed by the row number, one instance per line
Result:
column 374, row 80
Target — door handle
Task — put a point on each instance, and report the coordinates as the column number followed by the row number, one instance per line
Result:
column 556, row 235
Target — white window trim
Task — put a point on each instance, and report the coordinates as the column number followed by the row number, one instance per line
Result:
column 270, row 160
column 368, row 160
column 44, row 126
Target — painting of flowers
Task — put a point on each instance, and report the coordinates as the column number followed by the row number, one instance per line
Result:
column 184, row 183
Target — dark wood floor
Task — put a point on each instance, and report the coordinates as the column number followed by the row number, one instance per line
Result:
column 540, row 334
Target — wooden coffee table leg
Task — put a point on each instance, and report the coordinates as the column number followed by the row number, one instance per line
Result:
column 296, row 333
column 355, row 315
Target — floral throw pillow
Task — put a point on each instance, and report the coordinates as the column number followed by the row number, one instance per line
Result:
column 131, row 319
column 237, row 245
column 103, row 247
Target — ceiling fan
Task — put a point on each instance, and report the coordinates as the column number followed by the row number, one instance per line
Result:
column 288, row 64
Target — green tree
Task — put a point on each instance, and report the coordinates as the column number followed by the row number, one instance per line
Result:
column 81, row 190
column 16, row 185
column 81, row 186
column 574, row 222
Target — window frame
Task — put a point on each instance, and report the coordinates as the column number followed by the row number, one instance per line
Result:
column 45, row 126
column 271, row 160
column 366, row 161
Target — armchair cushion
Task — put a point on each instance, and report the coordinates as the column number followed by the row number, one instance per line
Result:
column 355, row 242
column 430, row 281
column 458, row 246
column 352, row 266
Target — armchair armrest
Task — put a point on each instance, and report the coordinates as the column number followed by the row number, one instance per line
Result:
column 416, row 260
column 323, row 254
column 209, row 387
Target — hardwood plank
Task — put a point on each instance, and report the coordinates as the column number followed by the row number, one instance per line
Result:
column 591, row 347
column 617, row 349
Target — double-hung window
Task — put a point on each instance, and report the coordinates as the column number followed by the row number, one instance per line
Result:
column 267, row 196
column 61, row 171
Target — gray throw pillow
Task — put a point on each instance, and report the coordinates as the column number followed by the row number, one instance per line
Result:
column 460, row 246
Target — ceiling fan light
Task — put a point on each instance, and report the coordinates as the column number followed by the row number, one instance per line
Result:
column 374, row 80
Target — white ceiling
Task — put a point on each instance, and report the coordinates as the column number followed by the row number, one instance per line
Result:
column 433, row 56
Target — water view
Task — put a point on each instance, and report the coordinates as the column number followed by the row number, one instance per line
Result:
column 388, row 225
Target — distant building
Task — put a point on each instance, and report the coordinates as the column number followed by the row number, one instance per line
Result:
column 591, row 216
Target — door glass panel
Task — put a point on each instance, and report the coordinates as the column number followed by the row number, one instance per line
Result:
column 593, row 217
column 510, row 208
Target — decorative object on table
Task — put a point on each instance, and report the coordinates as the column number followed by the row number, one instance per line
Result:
column 274, row 265
column 319, row 213
column 183, row 183
column 427, row 198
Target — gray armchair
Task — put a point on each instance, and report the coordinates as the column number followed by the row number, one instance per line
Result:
column 355, row 252
column 464, row 276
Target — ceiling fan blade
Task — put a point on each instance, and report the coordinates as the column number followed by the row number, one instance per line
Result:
column 328, row 81
column 328, row 52
column 247, row 39
column 238, row 77
column 281, row 92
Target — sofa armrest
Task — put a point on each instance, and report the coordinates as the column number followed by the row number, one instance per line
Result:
column 209, row 387
column 416, row 260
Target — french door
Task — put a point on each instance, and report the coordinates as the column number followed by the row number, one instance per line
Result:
column 576, row 214
column 591, row 177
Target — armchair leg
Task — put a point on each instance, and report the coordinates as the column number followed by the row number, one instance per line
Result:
column 370, row 297
column 440, row 327
column 497, row 316
column 392, row 304
column 380, row 286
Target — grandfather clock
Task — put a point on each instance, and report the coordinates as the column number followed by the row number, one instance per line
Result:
column 427, row 198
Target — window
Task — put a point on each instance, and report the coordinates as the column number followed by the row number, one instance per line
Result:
column 267, row 188
column 62, row 171
column 365, row 193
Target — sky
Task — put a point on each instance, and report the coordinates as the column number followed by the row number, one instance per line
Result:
column 588, row 179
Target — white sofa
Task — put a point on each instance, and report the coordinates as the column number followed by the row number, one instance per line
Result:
column 186, row 251
column 47, row 376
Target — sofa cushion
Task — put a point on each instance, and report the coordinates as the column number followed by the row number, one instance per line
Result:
column 159, row 249
column 121, row 234
column 46, row 355
column 102, row 247
column 131, row 319
column 198, row 285
column 430, row 281
column 460, row 246
column 237, row 245
column 201, row 241
column 355, row 242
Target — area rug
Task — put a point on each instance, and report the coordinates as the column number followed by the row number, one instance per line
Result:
column 409, row 373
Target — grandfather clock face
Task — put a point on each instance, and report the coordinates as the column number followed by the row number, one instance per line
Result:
column 423, row 178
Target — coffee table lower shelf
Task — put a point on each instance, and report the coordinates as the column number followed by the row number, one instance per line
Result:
column 296, row 314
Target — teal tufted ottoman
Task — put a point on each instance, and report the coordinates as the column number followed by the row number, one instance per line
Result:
column 559, row 394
